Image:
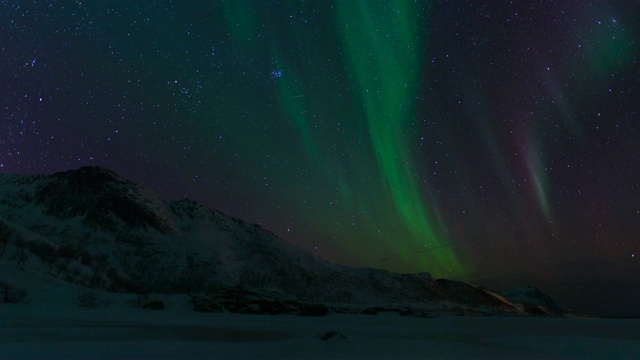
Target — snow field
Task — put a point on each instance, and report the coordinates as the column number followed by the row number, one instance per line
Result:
column 29, row 331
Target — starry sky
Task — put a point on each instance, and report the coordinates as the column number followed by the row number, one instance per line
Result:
column 489, row 141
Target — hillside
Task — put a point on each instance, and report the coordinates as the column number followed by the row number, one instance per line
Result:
column 95, row 229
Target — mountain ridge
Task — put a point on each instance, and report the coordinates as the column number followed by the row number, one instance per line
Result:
column 94, row 228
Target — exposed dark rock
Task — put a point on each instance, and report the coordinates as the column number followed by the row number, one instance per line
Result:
column 249, row 302
column 369, row 311
column 380, row 309
column 313, row 310
column 154, row 305
column 203, row 303
column 329, row 335
column 12, row 294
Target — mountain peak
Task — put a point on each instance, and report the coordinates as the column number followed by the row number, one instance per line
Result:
column 102, row 198
column 91, row 175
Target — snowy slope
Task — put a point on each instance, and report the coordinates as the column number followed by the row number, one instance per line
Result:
column 94, row 228
column 530, row 295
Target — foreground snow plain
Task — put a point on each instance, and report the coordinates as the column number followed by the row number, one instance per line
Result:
column 51, row 325
column 64, row 331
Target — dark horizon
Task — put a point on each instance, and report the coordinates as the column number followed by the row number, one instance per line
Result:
column 488, row 141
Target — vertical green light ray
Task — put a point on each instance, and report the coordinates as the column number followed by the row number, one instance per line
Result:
column 540, row 180
column 294, row 106
column 383, row 51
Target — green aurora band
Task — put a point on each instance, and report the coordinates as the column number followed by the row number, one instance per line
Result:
column 384, row 53
column 352, row 151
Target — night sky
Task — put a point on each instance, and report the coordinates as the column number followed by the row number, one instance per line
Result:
column 495, row 142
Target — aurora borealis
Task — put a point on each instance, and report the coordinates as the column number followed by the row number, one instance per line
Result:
column 488, row 141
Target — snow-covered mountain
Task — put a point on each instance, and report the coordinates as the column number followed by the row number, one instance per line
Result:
column 94, row 228
column 530, row 295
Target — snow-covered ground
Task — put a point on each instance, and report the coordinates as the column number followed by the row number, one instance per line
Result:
column 50, row 324
column 63, row 330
